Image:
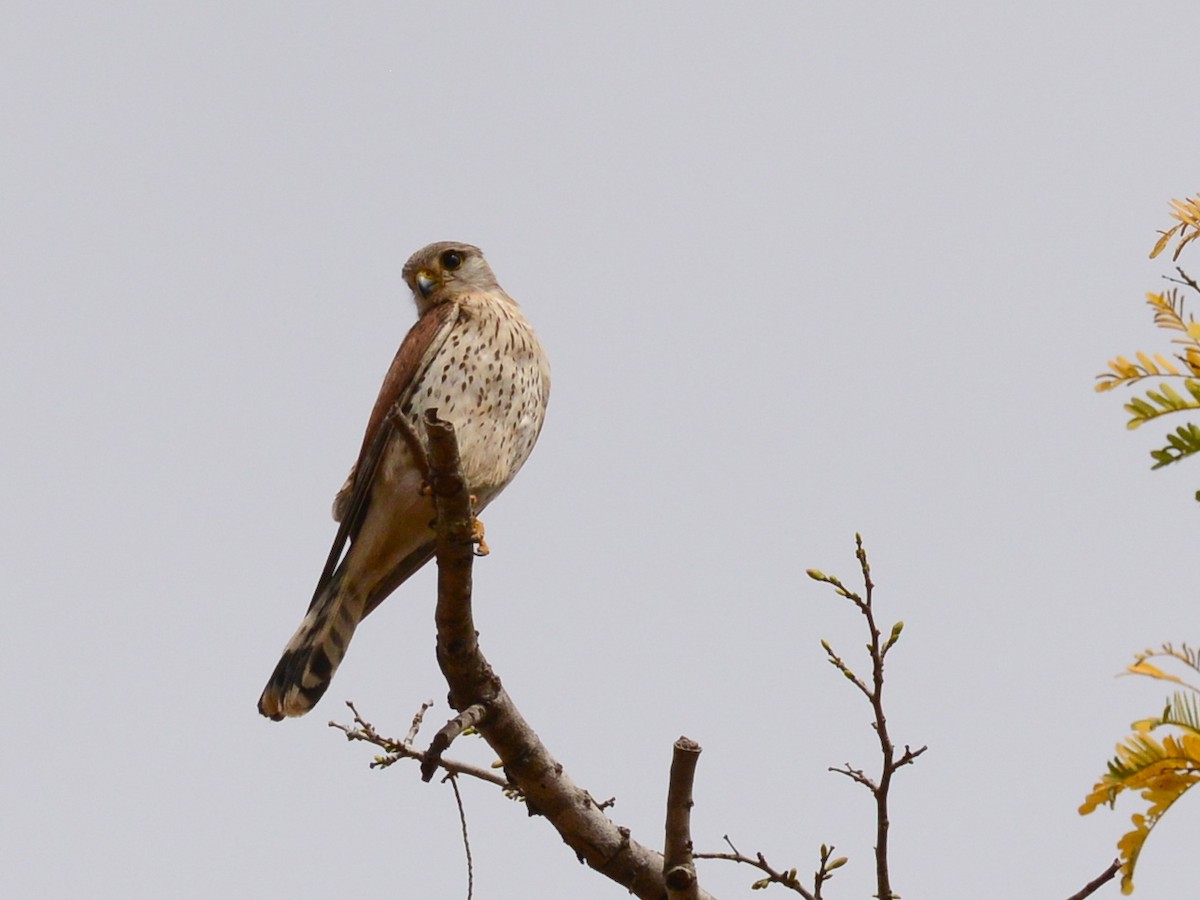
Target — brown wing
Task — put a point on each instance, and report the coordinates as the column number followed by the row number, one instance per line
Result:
column 419, row 347
column 399, row 575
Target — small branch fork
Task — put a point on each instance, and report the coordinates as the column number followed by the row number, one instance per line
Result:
column 788, row 879
column 1187, row 281
column 396, row 750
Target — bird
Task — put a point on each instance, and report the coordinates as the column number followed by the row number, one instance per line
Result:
column 474, row 358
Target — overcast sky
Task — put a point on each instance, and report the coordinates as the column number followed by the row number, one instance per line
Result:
column 802, row 269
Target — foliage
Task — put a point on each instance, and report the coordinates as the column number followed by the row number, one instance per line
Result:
column 1188, row 214
column 1161, row 770
column 1178, row 387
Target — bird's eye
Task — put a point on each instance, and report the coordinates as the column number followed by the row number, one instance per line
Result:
column 452, row 260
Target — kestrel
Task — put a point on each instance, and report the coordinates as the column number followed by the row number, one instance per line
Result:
column 472, row 356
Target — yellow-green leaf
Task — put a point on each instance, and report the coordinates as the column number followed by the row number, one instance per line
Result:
column 1165, row 364
column 1161, row 244
column 1141, row 667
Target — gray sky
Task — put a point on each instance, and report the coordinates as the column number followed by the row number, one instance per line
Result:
column 802, row 269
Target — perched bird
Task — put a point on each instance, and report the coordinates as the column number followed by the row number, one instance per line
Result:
column 472, row 356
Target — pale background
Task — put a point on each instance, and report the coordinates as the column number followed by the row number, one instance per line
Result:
column 802, row 269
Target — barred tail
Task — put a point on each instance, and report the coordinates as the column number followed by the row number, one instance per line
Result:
column 313, row 654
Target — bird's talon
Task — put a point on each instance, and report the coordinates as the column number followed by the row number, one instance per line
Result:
column 481, row 547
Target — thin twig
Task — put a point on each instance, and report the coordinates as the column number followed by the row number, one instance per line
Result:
column 462, row 818
column 1184, row 279
column 882, row 821
column 758, row 861
column 856, row 775
column 362, row 730
column 1098, row 882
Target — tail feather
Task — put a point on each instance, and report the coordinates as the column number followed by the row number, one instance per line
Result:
column 310, row 658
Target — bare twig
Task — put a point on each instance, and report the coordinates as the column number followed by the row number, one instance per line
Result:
column 1184, row 278
column 774, row 876
column 548, row 790
column 679, row 871
column 856, row 775
column 1098, row 882
column 395, row 750
column 462, row 818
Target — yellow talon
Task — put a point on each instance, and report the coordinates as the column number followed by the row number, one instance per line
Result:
column 481, row 547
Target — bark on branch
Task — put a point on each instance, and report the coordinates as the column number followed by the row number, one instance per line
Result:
column 548, row 789
column 679, row 869
column 468, row 718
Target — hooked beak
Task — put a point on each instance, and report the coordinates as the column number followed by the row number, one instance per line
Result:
column 426, row 282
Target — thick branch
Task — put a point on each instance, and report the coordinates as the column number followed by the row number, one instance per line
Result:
column 548, row 790
column 679, row 870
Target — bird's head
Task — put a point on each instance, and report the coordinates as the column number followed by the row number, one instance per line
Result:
column 444, row 270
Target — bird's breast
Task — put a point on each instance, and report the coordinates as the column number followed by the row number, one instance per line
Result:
column 491, row 380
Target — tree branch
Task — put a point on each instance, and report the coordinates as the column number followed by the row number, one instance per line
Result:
column 468, row 718
column 395, row 750
column 548, row 789
column 1098, row 882
column 679, row 870
column 878, row 649
column 787, row 879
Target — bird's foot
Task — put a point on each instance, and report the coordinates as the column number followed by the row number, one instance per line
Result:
column 481, row 547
